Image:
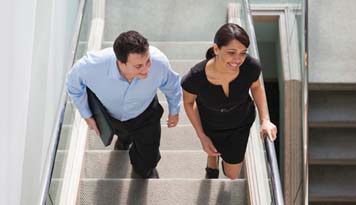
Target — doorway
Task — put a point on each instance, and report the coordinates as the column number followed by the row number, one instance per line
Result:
column 267, row 36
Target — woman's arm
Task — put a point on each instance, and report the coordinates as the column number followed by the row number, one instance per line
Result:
column 259, row 95
column 193, row 115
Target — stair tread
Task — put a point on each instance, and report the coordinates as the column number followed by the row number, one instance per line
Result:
column 328, row 161
column 178, row 49
column 173, row 164
column 175, row 25
column 332, row 106
column 332, row 181
column 183, row 118
column 332, row 144
column 181, row 137
column 162, row 192
column 332, row 124
column 332, row 199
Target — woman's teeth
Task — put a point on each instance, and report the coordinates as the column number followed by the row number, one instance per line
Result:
column 233, row 64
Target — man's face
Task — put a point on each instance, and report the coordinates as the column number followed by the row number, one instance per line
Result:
column 137, row 65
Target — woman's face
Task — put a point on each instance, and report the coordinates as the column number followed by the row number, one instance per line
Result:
column 231, row 56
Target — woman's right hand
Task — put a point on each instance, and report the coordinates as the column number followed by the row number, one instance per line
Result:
column 208, row 146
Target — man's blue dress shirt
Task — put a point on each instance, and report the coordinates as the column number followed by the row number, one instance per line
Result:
column 123, row 100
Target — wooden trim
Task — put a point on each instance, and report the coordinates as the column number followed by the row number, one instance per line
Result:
column 262, row 18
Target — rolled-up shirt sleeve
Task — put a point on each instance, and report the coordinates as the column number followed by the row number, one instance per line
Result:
column 76, row 89
column 171, row 88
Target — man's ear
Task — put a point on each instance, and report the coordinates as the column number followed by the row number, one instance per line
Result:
column 120, row 64
column 216, row 49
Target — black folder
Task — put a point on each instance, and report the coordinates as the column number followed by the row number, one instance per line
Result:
column 101, row 117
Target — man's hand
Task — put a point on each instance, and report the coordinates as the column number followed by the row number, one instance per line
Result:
column 92, row 125
column 172, row 120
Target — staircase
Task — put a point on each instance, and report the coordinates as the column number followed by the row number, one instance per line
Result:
column 332, row 103
column 332, row 145
column 106, row 174
column 184, row 37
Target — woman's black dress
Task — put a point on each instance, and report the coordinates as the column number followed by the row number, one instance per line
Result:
column 225, row 120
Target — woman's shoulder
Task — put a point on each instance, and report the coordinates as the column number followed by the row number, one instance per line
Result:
column 193, row 80
column 198, row 68
column 251, row 62
column 252, row 67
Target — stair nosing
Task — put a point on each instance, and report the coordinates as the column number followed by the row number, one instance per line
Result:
column 173, row 42
column 163, row 179
column 126, row 151
column 312, row 86
column 332, row 124
column 332, row 198
column 338, row 162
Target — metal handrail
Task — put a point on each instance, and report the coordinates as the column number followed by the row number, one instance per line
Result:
column 271, row 152
column 305, row 106
column 53, row 146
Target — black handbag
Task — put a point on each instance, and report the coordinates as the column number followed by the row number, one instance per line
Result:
column 101, row 117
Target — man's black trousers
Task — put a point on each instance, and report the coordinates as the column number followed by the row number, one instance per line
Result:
column 144, row 132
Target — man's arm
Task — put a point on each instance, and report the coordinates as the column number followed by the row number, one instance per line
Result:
column 76, row 89
column 172, row 90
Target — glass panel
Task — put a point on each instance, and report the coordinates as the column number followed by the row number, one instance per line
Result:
column 65, row 133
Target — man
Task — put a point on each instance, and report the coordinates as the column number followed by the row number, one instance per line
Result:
column 125, row 79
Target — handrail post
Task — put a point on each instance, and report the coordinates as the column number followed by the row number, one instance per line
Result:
column 305, row 106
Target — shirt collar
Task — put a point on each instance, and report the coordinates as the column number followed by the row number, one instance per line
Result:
column 114, row 71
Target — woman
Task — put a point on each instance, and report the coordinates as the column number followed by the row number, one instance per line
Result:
column 217, row 101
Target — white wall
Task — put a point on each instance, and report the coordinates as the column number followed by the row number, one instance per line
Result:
column 35, row 41
column 16, row 48
column 331, row 37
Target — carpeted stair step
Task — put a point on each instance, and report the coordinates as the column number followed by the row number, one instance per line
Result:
column 332, row 108
column 332, row 203
column 330, row 183
column 182, row 137
column 161, row 20
column 173, row 164
column 162, row 192
column 183, row 118
column 332, row 146
column 178, row 50
column 173, row 50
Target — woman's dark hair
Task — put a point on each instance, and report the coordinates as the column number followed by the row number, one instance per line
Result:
column 227, row 33
column 129, row 42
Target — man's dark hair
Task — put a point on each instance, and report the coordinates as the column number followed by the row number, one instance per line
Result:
column 129, row 42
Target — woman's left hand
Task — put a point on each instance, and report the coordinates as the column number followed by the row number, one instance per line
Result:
column 269, row 129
